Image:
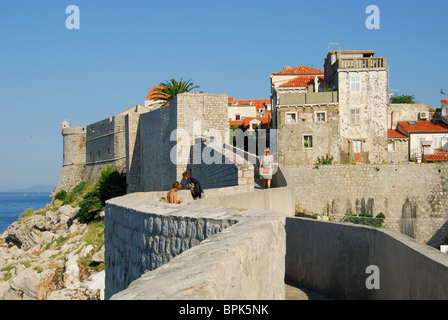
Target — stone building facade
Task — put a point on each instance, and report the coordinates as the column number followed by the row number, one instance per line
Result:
column 397, row 142
column 352, row 98
column 361, row 81
column 397, row 147
column 308, row 131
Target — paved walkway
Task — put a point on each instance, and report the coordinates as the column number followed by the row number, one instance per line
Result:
column 293, row 292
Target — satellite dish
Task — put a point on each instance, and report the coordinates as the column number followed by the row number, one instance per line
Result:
column 445, row 111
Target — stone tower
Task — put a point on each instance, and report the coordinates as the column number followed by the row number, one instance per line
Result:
column 361, row 82
column 73, row 158
column 74, row 141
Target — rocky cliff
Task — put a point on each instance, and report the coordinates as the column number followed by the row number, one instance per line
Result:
column 51, row 255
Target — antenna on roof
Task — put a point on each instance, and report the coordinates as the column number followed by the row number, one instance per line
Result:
column 388, row 82
column 335, row 44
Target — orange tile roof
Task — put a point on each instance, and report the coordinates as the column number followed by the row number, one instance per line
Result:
column 395, row 134
column 301, row 70
column 445, row 101
column 258, row 103
column 423, row 126
column 242, row 102
column 236, row 122
column 437, row 157
column 153, row 94
column 246, row 121
column 302, row 81
column 261, row 119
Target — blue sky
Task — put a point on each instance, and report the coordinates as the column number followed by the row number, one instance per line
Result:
column 49, row 73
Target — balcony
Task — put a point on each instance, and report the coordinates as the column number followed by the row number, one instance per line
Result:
column 308, row 98
column 359, row 63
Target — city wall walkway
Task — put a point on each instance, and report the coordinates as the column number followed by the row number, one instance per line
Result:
column 264, row 246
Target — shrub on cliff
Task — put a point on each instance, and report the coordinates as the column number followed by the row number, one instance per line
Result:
column 90, row 207
column 78, row 192
column 111, row 184
column 61, row 195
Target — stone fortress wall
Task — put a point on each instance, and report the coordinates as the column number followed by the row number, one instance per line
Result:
column 73, row 159
column 89, row 149
column 246, row 259
column 185, row 135
column 413, row 197
column 248, row 253
column 189, row 131
column 230, row 251
column 154, row 148
column 105, row 144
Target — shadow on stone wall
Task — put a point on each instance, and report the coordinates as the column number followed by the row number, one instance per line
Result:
column 440, row 237
column 211, row 167
column 408, row 216
column 133, row 170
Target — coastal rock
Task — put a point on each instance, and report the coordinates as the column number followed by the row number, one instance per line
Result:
column 16, row 234
column 14, row 252
column 47, row 237
column 71, row 274
column 73, row 228
column 68, row 211
column 85, row 251
column 33, row 238
column 75, row 294
column 52, row 216
column 98, row 257
column 36, row 250
column 97, row 282
column 4, row 287
column 48, row 253
column 72, row 243
column 32, row 284
column 19, row 232
column 42, row 224
column 6, row 293
column 44, row 227
column 39, row 258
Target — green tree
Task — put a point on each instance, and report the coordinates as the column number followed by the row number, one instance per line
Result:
column 172, row 88
column 402, row 99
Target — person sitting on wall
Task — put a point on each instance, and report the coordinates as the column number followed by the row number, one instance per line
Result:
column 172, row 195
column 194, row 185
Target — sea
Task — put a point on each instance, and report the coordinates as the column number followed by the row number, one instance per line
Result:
column 12, row 204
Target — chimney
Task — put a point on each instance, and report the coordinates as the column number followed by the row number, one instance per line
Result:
column 287, row 67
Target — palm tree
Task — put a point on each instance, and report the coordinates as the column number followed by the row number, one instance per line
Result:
column 171, row 88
